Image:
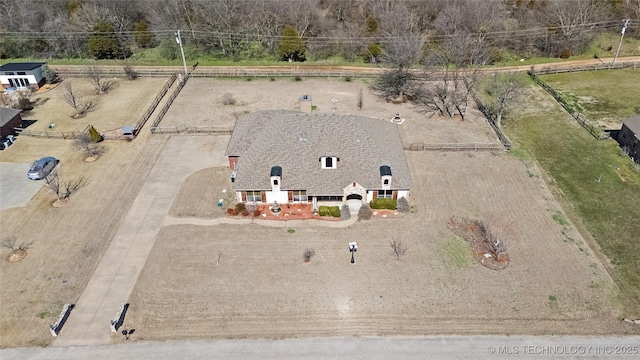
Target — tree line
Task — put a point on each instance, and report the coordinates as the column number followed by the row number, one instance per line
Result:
column 296, row 30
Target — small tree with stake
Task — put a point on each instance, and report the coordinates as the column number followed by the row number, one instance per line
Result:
column 18, row 250
column 63, row 188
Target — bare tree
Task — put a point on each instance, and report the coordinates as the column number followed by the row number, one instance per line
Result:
column 11, row 242
column 360, row 100
column 399, row 248
column 18, row 250
column 453, row 67
column 91, row 148
column 401, row 52
column 64, row 188
column 308, row 254
column 76, row 100
column 95, row 75
column 503, row 90
column 576, row 21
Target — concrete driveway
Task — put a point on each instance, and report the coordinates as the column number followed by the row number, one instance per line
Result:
column 15, row 188
column 118, row 271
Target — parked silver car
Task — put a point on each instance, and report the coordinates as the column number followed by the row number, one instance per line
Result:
column 42, row 168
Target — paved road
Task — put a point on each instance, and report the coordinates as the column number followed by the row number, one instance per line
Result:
column 433, row 347
column 117, row 273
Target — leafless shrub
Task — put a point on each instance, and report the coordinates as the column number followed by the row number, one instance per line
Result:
column 24, row 100
column 497, row 237
column 11, row 242
column 228, row 99
column 308, row 254
column 76, row 100
column 129, row 72
column 399, row 248
column 251, row 207
column 95, row 76
column 365, row 212
column 84, row 143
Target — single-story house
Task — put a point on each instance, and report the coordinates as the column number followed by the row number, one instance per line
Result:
column 9, row 119
column 629, row 137
column 293, row 157
column 22, row 75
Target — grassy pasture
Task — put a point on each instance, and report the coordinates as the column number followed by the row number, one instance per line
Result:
column 601, row 186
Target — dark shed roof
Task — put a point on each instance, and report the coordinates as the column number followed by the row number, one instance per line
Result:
column 21, row 66
column 633, row 123
column 276, row 171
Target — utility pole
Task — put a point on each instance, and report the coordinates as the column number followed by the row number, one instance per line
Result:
column 184, row 62
column 624, row 28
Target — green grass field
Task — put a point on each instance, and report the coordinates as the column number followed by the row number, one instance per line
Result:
column 603, row 94
column 601, row 186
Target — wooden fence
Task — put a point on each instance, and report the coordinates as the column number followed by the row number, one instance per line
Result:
column 180, row 129
column 52, row 134
column 558, row 69
column 154, row 104
column 166, row 106
column 595, row 132
column 488, row 114
column 455, row 147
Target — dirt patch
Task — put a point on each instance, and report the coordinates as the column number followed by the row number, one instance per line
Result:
column 419, row 126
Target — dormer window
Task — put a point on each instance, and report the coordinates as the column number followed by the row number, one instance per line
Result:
column 329, row 162
column 385, row 176
column 276, row 177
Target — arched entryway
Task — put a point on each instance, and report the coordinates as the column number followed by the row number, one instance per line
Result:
column 354, row 197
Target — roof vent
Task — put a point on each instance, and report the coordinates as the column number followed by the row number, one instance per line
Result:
column 303, row 136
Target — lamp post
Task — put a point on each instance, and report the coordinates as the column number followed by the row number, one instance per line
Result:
column 334, row 101
column 184, row 62
column 353, row 247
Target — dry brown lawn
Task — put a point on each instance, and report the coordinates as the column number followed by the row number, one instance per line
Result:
column 69, row 241
column 123, row 105
column 261, row 287
column 201, row 104
column 250, row 281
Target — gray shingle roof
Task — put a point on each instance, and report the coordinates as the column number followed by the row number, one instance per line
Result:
column 296, row 142
column 633, row 123
column 7, row 114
